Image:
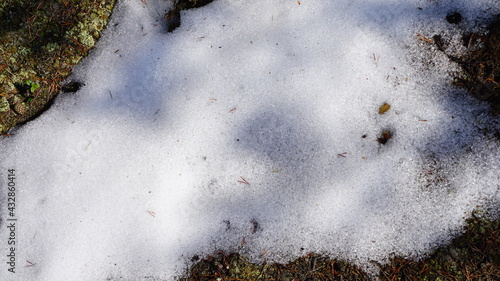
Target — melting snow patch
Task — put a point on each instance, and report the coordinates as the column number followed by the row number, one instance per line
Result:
column 255, row 120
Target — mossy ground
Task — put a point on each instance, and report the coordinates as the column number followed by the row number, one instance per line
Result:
column 41, row 40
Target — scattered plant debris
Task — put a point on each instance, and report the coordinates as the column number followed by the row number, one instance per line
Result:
column 480, row 64
column 384, row 137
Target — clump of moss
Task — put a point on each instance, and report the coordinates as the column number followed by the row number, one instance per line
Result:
column 40, row 41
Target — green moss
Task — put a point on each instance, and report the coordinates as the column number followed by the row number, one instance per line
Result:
column 86, row 39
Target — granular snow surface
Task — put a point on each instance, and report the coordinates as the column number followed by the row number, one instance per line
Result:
column 255, row 121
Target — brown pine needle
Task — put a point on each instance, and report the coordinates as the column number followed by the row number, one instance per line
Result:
column 243, row 181
column 421, row 37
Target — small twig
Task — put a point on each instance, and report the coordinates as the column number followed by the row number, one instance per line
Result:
column 491, row 80
column 232, row 110
column 153, row 214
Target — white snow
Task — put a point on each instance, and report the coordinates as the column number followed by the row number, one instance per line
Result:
column 144, row 167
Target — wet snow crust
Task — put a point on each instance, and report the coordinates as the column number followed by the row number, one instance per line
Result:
column 255, row 121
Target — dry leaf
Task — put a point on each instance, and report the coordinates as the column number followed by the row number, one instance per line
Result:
column 384, row 108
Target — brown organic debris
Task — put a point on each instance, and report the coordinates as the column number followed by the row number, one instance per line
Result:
column 480, row 63
column 384, row 137
column 384, row 108
column 173, row 17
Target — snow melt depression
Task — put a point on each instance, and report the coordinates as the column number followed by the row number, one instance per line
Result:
column 255, row 120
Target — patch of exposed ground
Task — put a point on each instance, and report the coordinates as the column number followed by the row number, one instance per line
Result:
column 40, row 41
